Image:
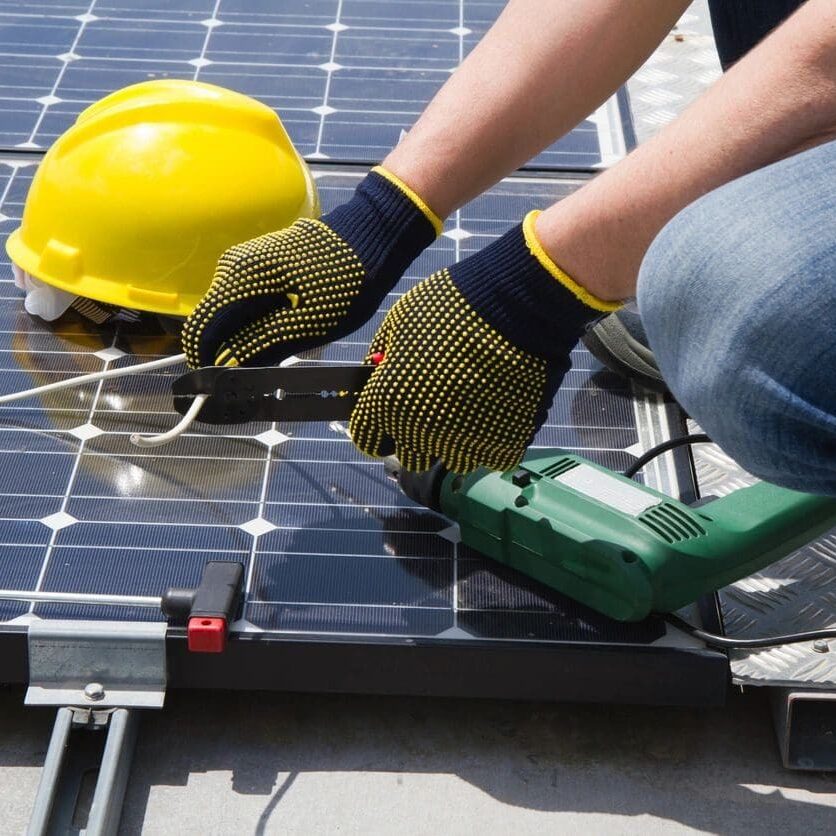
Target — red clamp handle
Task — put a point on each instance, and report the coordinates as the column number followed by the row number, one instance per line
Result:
column 206, row 635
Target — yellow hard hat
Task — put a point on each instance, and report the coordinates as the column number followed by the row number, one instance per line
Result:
column 133, row 204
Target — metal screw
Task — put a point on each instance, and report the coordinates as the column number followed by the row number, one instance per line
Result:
column 94, row 691
column 821, row 646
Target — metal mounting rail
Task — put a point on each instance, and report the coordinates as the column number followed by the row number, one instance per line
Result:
column 65, row 767
column 96, row 673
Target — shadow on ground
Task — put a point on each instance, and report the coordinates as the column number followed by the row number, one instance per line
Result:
column 712, row 770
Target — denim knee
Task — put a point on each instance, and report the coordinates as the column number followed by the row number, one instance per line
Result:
column 737, row 305
column 679, row 281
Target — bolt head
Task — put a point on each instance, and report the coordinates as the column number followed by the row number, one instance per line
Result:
column 821, row 646
column 94, row 691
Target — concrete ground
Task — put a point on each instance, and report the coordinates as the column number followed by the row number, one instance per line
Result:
column 254, row 763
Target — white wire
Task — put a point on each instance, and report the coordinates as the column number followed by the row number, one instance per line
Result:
column 81, row 380
column 164, row 438
column 140, row 368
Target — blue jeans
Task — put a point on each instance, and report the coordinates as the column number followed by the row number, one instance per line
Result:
column 738, row 297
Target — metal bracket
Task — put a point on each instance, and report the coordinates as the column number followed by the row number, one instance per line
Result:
column 101, row 664
column 65, row 767
column 805, row 725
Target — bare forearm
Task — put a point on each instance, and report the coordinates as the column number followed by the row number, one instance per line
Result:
column 539, row 71
column 779, row 99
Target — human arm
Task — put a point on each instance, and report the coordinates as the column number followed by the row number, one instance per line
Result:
column 777, row 100
column 540, row 70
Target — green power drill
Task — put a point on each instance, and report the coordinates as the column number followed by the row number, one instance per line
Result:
column 622, row 548
column 617, row 546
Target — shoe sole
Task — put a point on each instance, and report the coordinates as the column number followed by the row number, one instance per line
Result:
column 611, row 343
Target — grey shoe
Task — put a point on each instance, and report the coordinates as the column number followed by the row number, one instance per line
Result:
column 619, row 341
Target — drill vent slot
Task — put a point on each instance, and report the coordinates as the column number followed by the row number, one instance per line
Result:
column 559, row 467
column 671, row 523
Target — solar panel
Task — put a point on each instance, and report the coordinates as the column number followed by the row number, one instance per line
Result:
column 347, row 76
column 336, row 557
column 330, row 544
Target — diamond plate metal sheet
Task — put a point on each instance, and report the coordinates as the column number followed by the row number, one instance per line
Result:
column 684, row 65
column 795, row 594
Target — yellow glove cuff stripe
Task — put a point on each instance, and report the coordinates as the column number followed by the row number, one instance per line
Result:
column 581, row 293
column 437, row 223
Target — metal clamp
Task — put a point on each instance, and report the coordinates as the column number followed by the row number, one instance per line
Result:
column 98, row 664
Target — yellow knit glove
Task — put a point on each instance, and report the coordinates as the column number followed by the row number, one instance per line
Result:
column 473, row 356
column 312, row 283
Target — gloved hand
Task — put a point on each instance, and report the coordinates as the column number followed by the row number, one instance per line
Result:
column 311, row 283
column 473, row 356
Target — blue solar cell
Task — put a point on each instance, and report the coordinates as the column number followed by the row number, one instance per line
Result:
column 31, row 471
column 325, row 539
column 388, row 91
column 46, row 8
column 25, row 533
column 480, row 14
column 397, row 49
column 289, row 12
column 359, row 620
column 121, row 572
column 27, row 35
column 330, row 578
column 405, row 14
column 275, row 46
column 19, row 569
column 141, row 510
column 152, row 9
column 154, row 42
column 24, row 80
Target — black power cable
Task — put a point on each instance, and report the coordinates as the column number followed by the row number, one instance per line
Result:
column 715, row 640
column 639, row 463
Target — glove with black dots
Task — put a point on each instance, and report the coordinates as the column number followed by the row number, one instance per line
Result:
column 311, row 283
column 473, row 357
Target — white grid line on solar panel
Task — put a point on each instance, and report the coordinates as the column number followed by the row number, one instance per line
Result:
column 379, row 149
column 405, row 506
column 224, row 526
column 60, row 75
column 265, row 482
column 202, row 501
column 575, row 353
column 435, row 13
column 333, row 119
column 330, row 71
column 283, row 552
column 92, row 454
column 464, row 609
column 66, row 498
column 229, row 18
column 202, row 56
column 287, row 34
column 203, row 550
